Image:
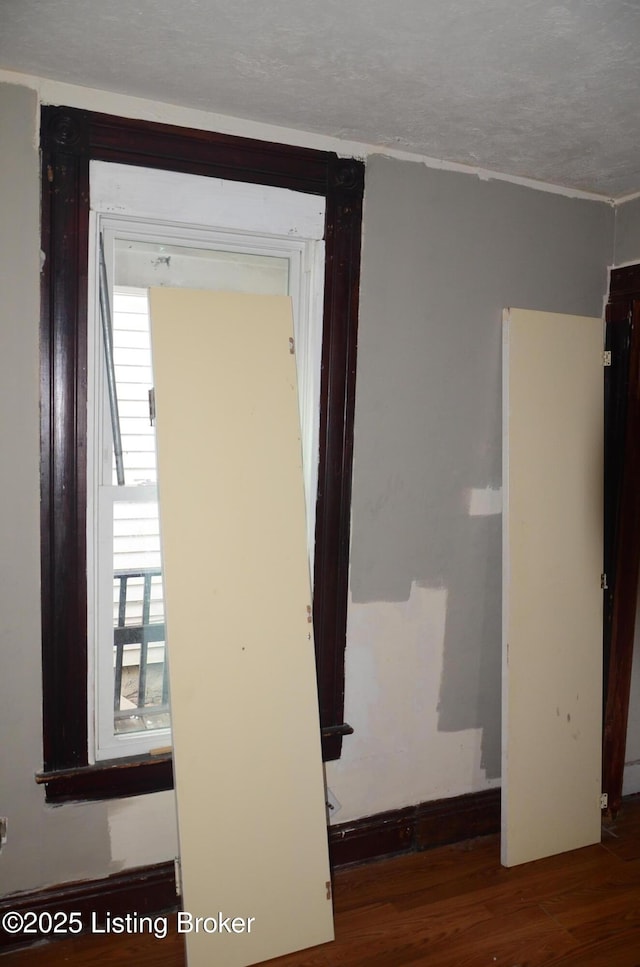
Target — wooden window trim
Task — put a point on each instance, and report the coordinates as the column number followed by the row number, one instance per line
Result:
column 70, row 139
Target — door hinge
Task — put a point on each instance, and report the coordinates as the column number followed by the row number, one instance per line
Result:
column 606, row 357
column 152, row 406
column 178, row 871
column 603, row 582
column 328, row 888
column 604, row 800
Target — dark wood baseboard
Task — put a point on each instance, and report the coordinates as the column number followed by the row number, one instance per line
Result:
column 145, row 890
column 152, row 889
column 415, row 828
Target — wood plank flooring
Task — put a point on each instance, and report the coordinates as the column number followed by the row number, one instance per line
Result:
column 450, row 907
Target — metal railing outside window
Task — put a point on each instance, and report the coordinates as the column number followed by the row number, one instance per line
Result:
column 141, row 682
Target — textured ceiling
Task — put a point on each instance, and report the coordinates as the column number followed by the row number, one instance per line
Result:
column 529, row 88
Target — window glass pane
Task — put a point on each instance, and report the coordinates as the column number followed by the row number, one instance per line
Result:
column 136, row 535
column 140, row 673
column 134, row 379
column 140, row 680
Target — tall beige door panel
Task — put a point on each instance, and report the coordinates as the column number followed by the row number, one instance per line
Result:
column 247, row 756
column 552, row 601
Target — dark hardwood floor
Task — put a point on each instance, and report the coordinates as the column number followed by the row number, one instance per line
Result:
column 450, row 907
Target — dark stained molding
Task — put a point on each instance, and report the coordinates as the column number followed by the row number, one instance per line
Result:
column 70, row 140
column 415, row 828
column 144, row 890
column 152, row 889
column 622, row 519
column 112, row 779
column 624, row 283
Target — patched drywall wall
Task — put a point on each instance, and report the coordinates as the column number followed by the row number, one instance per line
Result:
column 143, row 830
column 443, row 254
column 398, row 754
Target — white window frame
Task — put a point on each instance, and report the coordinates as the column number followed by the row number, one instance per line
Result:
column 188, row 210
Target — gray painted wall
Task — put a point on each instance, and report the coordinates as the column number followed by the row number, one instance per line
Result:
column 443, row 254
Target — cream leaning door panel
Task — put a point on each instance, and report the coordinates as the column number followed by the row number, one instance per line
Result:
column 247, row 757
column 552, row 601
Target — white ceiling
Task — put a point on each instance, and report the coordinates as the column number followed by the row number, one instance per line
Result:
column 529, row 88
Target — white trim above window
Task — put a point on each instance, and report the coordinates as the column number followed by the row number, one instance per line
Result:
column 169, row 196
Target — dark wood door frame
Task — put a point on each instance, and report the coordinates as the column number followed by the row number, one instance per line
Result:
column 622, row 519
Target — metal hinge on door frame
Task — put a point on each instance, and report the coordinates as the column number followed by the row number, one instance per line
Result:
column 603, row 582
column 606, row 357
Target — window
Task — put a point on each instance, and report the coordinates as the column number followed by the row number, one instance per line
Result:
column 127, row 662
column 71, row 140
column 128, row 254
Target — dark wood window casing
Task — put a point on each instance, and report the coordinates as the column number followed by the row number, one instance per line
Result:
column 70, row 139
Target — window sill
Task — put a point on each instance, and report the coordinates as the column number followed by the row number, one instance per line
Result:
column 331, row 736
column 117, row 778
column 112, row 779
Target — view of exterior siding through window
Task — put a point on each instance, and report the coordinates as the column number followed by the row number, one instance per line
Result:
column 141, row 699
column 132, row 623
